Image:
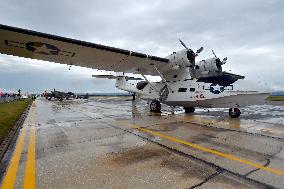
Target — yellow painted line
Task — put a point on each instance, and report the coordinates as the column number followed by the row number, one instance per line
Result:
column 11, row 174
column 29, row 178
column 215, row 152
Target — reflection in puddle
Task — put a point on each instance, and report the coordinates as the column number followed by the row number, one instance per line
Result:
column 135, row 112
column 234, row 123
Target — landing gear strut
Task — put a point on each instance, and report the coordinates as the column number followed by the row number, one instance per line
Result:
column 189, row 109
column 234, row 112
column 155, row 106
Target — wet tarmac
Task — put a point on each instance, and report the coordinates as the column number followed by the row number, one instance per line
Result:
column 105, row 142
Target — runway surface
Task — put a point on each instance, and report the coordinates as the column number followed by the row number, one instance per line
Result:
column 105, row 142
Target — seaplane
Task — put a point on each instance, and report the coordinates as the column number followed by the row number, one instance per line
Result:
column 185, row 82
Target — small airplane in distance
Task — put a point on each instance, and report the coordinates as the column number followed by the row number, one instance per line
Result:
column 184, row 81
column 58, row 95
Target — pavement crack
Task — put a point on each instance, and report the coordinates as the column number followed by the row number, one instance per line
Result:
column 234, row 130
column 218, row 172
column 130, row 131
column 254, row 170
column 267, row 162
column 280, row 149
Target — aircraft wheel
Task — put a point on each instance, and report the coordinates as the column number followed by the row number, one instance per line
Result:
column 155, row 106
column 60, row 99
column 189, row 109
column 234, row 112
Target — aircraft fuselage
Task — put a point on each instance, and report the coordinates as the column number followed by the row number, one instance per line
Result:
column 191, row 93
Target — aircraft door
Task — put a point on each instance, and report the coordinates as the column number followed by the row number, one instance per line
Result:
column 164, row 93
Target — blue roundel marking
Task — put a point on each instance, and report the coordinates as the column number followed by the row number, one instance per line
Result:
column 216, row 89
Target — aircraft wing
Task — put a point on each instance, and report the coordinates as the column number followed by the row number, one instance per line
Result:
column 41, row 46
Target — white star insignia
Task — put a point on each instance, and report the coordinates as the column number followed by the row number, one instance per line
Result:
column 42, row 50
column 217, row 87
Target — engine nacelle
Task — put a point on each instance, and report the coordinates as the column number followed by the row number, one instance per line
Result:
column 179, row 60
column 208, row 68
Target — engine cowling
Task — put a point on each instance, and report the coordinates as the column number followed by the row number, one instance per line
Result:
column 179, row 60
column 208, row 68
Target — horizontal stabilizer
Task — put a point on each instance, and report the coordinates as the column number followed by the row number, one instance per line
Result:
column 115, row 77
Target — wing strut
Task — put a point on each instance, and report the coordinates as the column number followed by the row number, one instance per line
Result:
column 150, row 83
column 163, row 78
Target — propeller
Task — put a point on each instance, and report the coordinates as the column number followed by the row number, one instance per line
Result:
column 191, row 56
column 218, row 61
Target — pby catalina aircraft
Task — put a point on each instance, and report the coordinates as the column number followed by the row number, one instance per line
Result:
column 185, row 82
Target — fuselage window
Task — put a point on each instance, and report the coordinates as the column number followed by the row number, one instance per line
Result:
column 182, row 89
column 192, row 89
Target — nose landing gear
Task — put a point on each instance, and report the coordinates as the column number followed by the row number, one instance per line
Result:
column 234, row 112
column 155, row 106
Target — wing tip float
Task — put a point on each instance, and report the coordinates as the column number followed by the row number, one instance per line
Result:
column 116, row 77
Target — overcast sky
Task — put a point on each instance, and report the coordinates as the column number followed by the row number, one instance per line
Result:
column 249, row 32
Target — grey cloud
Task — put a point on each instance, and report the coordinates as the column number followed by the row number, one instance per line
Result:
column 237, row 29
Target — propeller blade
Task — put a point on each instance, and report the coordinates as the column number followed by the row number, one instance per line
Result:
column 182, row 43
column 214, row 53
column 224, row 60
column 199, row 50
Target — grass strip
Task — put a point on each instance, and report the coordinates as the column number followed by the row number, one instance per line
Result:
column 275, row 98
column 10, row 112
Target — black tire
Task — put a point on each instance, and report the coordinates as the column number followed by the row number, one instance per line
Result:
column 189, row 109
column 234, row 112
column 155, row 106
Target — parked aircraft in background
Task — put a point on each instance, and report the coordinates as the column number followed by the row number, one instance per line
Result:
column 58, row 95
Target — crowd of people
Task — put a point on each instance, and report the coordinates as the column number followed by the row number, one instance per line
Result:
column 4, row 97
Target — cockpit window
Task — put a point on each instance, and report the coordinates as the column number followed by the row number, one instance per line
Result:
column 140, row 85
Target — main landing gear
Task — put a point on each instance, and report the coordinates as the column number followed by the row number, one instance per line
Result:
column 234, row 112
column 155, row 106
column 189, row 109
